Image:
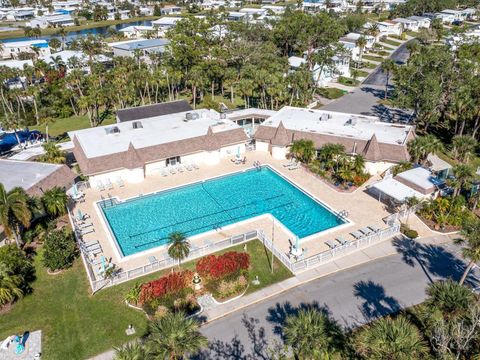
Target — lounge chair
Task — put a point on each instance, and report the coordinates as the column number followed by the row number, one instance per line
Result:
column 208, row 242
column 173, row 170
column 83, row 225
column 374, row 228
column 85, row 231
column 100, row 185
column 331, row 244
column 357, row 235
column 164, row 171
column 108, row 184
column 152, row 259
column 341, row 240
column 89, row 243
column 290, row 163
column 195, row 166
column 188, row 167
column 93, row 250
column 366, row 231
column 294, row 167
column 180, row 168
column 90, row 247
column 120, row 182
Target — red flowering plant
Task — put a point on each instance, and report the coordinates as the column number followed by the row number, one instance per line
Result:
column 216, row 267
column 166, row 285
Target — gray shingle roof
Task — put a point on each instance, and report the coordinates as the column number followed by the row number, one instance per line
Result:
column 148, row 111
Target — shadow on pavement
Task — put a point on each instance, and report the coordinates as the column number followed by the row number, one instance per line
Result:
column 434, row 260
column 376, row 302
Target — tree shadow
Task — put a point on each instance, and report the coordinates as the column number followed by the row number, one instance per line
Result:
column 376, row 302
column 236, row 350
column 434, row 260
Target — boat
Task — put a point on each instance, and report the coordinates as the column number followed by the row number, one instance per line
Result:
column 27, row 138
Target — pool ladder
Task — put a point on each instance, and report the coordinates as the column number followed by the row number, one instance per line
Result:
column 343, row 214
column 257, row 165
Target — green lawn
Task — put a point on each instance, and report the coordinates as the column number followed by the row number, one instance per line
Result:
column 368, row 65
column 76, row 325
column 331, row 93
column 391, row 42
column 348, row 81
column 373, row 58
column 360, row 73
column 60, row 127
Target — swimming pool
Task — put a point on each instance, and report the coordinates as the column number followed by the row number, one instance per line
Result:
column 145, row 222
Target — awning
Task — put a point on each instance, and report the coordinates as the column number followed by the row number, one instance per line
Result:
column 396, row 190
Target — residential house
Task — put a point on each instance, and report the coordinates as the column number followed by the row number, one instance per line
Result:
column 238, row 16
column 51, row 20
column 151, row 111
column 11, row 50
column 423, row 21
column 277, row 10
column 446, row 18
column 165, row 23
column 407, row 24
column 138, row 31
column 389, row 27
column 170, row 9
column 141, row 47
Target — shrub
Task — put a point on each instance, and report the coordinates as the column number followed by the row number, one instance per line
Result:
column 17, row 263
column 217, row 267
column 169, row 284
column 229, row 288
column 60, row 249
column 410, row 233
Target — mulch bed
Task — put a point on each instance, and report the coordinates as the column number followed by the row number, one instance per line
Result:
column 434, row 226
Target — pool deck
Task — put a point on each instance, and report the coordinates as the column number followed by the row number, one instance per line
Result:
column 363, row 209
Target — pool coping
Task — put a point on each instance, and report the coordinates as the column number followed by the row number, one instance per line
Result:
column 123, row 258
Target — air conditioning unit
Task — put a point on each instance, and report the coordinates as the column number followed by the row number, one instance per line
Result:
column 191, row 116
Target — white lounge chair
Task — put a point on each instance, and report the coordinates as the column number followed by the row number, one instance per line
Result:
column 374, row 228
column 195, row 166
column 85, row 231
column 120, row 182
column 83, row 225
column 357, row 234
column 331, row 244
column 100, row 185
column 294, row 167
column 172, row 170
column 366, row 231
column 341, row 240
column 188, row 167
column 164, row 172
column 152, row 259
column 108, row 184
column 180, row 168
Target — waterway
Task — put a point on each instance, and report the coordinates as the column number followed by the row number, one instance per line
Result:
column 103, row 30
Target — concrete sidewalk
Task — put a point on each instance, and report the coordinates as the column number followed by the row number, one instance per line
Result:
column 374, row 252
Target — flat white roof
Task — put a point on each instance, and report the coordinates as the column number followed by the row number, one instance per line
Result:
column 156, row 130
column 420, row 177
column 339, row 124
column 396, row 190
column 24, row 43
column 166, row 21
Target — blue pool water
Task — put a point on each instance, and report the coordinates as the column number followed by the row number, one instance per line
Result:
column 145, row 222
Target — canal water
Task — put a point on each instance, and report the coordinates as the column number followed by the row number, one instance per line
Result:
column 75, row 34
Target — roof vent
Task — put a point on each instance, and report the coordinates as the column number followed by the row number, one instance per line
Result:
column 324, row 117
column 352, row 121
column 112, row 130
column 223, row 116
column 137, row 125
column 191, row 116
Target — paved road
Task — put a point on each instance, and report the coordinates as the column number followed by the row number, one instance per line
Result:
column 352, row 297
column 378, row 76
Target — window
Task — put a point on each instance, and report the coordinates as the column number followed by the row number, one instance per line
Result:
column 137, row 125
column 173, row 161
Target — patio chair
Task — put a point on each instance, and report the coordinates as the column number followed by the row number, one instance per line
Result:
column 290, row 163
column 120, row 182
column 180, row 168
column 294, row 167
column 164, row 171
column 93, row 250
column 208, row 242
column 108, row 184
column 195, row 166
column 83, row 225
column 173, row 170
column 88, row 244
column 189, row 167
column 330, row 244
column 357, row 235
column 100, row 185
column 152, row 259
column 374, row 228
column 366, row 231
column 86, row 231
column 341, row 240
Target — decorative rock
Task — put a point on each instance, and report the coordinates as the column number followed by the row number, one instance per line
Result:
column 130, row 330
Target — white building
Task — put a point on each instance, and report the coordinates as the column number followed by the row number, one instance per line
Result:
column 165, row 23
column 138, row 31
column 11, row 50
column 274, row 9
column 133, row 150
column 407, row 24
column 322, row 76
column 142, row 46
column 444, row 17
column 51, row 20
column 381, row 144
column 423, row 21
column 238, row 16
column 389, row 27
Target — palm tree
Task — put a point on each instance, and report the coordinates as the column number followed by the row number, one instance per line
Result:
column 361, row 43
column 130, row 351
column 463, row 174
column 374, row 30
column 303, row 150
column 179, row 246
column 55, row 201
column 389, row 338
column 53, row 154
column 463, row 146
column 14, row 212
column 388, row 65
column 358, row 164
column 329, row 154
column 471, row 245
column 172, row 336
column 9, row 286
column 450, row 298
column 422, row 146
column 312, row 335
